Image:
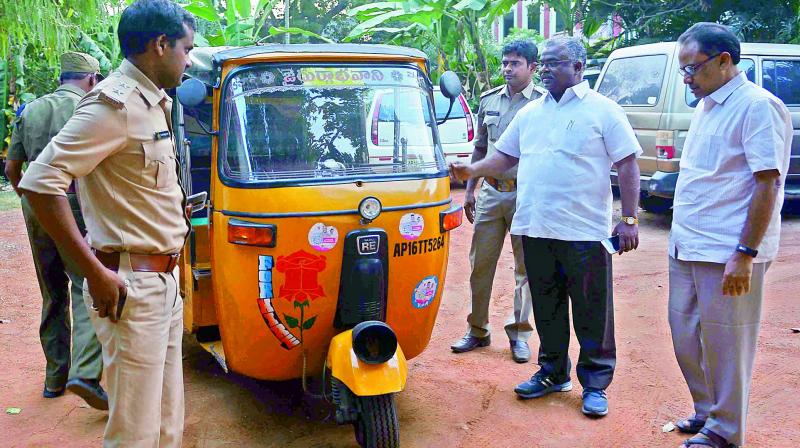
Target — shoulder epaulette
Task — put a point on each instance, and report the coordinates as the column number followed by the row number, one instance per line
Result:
column 493, row 90
column 541, row 90
column 117, row 91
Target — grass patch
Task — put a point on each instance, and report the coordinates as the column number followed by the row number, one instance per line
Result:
column 8, row 199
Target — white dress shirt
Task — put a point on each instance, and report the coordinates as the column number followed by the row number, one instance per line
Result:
column 566, row 149
column 738, row 130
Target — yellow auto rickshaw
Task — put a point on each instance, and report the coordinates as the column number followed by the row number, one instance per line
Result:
column 321, row 217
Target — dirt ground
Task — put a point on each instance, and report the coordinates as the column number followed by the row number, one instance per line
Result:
column 464, row 400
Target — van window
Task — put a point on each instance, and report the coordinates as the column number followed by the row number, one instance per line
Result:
column 634, row 81
column 782, row 78
column 745, row 65
column 442, row 103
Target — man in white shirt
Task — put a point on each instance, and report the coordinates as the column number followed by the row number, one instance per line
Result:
column 566, row 143
column 725, row 231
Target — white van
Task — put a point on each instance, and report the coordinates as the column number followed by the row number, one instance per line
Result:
column 456, row 134
column 645, row 81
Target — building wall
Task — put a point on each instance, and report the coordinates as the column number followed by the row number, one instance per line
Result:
column 545, row 21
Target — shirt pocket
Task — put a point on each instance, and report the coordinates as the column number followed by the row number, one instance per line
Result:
column 160, row 170
column 492, row 127
column 703, row 151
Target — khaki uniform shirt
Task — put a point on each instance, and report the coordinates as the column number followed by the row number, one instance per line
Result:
column 40, row 122
column 119, row 144
column 495, row 112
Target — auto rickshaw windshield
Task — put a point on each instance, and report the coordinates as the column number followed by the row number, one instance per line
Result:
column 298, row 122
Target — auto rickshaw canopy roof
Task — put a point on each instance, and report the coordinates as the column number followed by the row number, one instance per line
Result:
column 207, row 61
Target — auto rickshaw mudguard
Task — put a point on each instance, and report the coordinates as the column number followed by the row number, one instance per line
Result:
column 361, row 378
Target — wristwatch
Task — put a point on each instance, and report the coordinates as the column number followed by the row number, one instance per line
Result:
column 630, row 220
column 746, row 250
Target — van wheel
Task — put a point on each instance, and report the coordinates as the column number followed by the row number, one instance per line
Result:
column 376, row 425
column 655, row 204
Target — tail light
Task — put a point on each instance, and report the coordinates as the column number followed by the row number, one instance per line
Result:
column 451, row 218
column 252, row 233
column 665, row 144
column 468, row 115
column 375, row 114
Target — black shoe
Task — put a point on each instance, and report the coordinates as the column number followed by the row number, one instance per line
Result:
column 47, row 393
column 520, row 352
column 91, row 392
column 469, row 343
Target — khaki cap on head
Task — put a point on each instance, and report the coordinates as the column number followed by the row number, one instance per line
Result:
column 74, row 62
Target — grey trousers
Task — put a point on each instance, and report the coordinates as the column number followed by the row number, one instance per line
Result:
column 715, row 341
column 493, row 213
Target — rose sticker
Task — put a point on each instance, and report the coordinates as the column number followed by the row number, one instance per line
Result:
column 323, row 238
column 425, row 292
column 411, row 226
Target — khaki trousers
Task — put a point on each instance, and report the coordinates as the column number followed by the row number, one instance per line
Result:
column 142, row 358
column 715, row 341
column 65, row 331
column 493, row 213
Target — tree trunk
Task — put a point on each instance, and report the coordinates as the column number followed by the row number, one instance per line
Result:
column 472, row 30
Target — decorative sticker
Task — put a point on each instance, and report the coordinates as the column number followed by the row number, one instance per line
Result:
column 425, row 292
column 287, row 340
column 300, row 288
column 323, row 238
column 411, row 226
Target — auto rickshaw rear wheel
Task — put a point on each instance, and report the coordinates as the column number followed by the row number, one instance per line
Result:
column 376, row 425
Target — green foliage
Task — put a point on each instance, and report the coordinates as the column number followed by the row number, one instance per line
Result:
column 454, row 33
column 237, row 22
column 665, row 20
column 37, row 32
column 245, row 22
column 278, row 31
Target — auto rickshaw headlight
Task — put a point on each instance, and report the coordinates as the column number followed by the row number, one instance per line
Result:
column 369, row 209
column 374, row 342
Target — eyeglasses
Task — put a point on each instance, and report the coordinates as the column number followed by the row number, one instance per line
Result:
column 552, row 64
column 692, row 69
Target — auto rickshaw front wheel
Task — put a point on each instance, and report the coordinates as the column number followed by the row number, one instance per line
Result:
column 376, row 424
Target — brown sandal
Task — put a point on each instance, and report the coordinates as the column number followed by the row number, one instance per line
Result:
column 690, row 425
column 708, row 438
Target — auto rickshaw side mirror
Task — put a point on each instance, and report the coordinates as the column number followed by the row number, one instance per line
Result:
column 191, row 93
column 450, row 85
column 196, row 202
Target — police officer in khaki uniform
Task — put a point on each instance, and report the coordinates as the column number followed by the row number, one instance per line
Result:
column 33, row 130
column 119, row 145
column 492, row 212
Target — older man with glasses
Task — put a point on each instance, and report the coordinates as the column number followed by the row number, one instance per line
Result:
column 721, row 244
column 566, row 143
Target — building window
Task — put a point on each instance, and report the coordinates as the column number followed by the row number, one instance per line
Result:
column 534, row 13
column 508, row 23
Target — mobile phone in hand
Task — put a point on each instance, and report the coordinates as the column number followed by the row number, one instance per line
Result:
column 611, row 244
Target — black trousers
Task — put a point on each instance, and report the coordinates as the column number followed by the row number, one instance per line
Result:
column 580, row 270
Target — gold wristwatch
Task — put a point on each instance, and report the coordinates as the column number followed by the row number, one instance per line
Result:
column 630, row 220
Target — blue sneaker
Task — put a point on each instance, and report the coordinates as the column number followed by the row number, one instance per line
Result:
column 540, row 385
column 595, row 402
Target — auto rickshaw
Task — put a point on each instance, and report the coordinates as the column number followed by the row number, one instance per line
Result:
column 322, row 245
